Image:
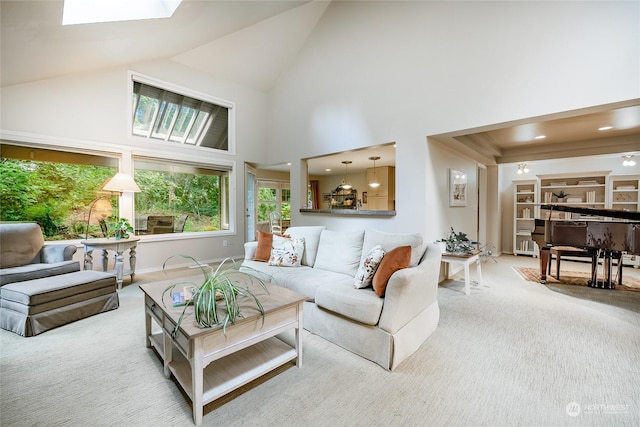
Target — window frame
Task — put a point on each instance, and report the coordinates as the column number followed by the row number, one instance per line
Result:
column 124, row 156
column 180, row 90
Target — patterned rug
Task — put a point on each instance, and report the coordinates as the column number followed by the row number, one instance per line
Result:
column 578, row 278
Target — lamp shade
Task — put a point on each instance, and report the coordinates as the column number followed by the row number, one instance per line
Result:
column 121, row 182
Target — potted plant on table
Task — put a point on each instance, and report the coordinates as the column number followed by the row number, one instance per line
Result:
column 459, row 243
column 116, row 227
column 221, row 289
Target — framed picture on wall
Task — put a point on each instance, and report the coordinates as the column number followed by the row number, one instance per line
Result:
column 457, row 188
column 365, row 199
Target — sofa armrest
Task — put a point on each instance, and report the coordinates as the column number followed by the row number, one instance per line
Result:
column 57, row 253
column 410, row 291
column 250, row 250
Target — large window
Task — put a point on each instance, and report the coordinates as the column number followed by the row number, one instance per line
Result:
column 55, row 189
column 178, row 198
column 169, row 116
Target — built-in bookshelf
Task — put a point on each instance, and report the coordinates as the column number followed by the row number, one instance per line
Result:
column 577, row 190
column 623, row 195
column 525, row 200
column 624, row 192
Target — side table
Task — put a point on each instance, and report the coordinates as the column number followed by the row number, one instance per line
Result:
column 466, row 260
column 117, row 245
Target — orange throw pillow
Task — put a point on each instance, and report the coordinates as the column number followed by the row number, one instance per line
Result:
column 394, row 260
column 265, row 241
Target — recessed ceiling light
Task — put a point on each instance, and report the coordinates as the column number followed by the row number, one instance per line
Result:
column 90, row 12
column 327, row 170
column 605, row 128
column 540, row 137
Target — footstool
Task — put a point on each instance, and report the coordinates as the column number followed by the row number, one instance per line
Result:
column 34, row 306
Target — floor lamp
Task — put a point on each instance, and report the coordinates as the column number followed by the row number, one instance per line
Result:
column 120, row 183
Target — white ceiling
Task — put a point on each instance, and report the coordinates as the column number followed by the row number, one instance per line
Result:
column 259, row 39
column 36, row 46
column 567, row 134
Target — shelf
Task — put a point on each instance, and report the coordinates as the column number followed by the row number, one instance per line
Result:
column 235, row 370
column 546, row 187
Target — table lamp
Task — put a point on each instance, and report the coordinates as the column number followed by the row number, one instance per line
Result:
column 119, row 183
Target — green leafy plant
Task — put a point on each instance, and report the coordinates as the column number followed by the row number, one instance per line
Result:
column 459, row 243
column 117, row 227
column 217, row 295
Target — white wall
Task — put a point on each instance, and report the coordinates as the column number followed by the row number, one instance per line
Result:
column 374, row 72
column 91, row 111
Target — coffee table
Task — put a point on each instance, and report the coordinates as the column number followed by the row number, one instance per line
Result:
column 209, row 362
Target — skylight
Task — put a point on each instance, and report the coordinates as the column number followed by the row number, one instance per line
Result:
column 94, row 11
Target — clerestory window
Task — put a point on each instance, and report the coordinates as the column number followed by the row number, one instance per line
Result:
column 169, row 116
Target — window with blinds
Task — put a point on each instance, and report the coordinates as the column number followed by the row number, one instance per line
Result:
column 161, row 114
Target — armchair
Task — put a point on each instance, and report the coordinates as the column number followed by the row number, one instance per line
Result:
column 24, row 256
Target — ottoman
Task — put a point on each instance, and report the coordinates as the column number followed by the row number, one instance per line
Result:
column 34, row 306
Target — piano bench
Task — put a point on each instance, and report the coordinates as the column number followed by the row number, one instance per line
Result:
column 560, row 251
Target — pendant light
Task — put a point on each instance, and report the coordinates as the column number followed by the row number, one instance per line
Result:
column 346, row 185
column 374, row 183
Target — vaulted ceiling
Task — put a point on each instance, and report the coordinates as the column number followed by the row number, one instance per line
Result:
column 254, row 38
column 258, row 40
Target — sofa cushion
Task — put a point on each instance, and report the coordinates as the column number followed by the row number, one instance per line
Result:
column 36, row 271
column 265, row 242
column 48, row 289
column 394, row 260
column 286, row 252
column 390, row 241
column 361, row 305
column 311, row 236
column 339, row 251
column 20, row 243
column 307, row 281
column 368, row 267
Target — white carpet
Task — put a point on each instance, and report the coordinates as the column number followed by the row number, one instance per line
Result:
column 514, row 353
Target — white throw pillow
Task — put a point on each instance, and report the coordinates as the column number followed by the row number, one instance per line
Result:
column 311, row 236
column 286, row 252
column 339, row 251
column 368, row 267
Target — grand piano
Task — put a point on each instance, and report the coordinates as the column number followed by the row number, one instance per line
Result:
column 597, row 230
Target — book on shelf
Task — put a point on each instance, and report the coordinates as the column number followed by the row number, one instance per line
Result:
column 558, row 183
column 588, row 182
column 548, row 196
column 626, row 187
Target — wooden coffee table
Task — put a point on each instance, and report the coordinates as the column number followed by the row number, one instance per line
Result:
column 210, row 363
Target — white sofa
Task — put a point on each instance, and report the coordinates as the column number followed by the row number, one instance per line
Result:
column 384, row 330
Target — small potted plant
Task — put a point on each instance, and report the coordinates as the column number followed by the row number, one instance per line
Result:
column 116, row 227
column 561, row 196
column 459, row 243
column 215, row 299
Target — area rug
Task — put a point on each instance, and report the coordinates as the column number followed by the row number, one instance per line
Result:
column 578, row 278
